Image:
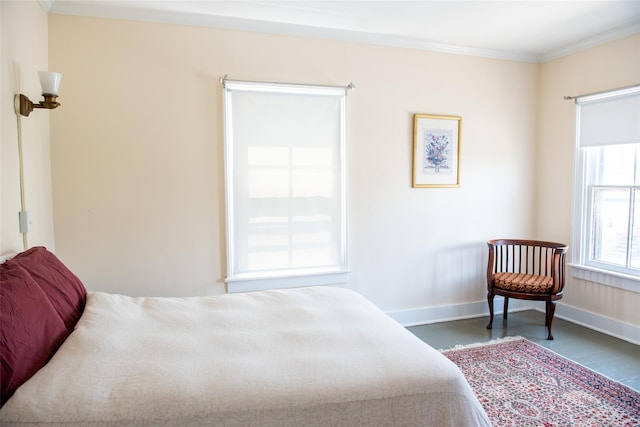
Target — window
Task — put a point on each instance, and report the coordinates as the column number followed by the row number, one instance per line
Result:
column 607, row 188
column 285, row 185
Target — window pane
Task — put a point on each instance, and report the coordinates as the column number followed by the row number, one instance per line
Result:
column 606, row 219
column 610, row 225
column 285, row 180
column 268, row 182
column 267, row 242
column 615, row 164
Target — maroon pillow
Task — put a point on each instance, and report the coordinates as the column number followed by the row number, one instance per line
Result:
column 30, row 329
column 65, row 291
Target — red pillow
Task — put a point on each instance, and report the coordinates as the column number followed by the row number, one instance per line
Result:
column 65, row 291
column 30, row 328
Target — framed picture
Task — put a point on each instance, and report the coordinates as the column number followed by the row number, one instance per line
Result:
column 436, row 150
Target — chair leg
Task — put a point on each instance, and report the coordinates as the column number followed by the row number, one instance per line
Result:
column 505, row 310
column 490, row 301
column 551, row 309
column 546, row 314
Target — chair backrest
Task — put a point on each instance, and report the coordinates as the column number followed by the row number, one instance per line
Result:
column 528, row 257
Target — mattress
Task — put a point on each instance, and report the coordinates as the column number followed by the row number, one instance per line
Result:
column 319, row 356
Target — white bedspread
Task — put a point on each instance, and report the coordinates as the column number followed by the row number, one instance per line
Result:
column 307, row 357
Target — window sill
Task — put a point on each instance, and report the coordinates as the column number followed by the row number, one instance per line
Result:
column 253, row 283
column 604, row 277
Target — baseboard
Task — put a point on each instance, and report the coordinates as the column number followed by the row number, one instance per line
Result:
column 446, row 313
column 427, row 315
column 599, row 323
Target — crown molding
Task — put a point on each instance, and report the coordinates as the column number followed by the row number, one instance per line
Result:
column 46, row 4
column 133, row 13
column 594, row 41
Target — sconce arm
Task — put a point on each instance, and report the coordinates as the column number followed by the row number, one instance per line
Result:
column 24, row 106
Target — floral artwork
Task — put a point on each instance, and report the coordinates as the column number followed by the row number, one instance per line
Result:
column 437, row 147
column 436, row 150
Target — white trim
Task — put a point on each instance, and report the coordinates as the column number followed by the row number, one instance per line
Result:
column 606, row 325
column 46, row 4
column 581, row 266
column 594, row 41
column 259, row 280
column 428, row 315
column 604, row 95
column 445, row 313
column 132, row 12
column 605, row 277
column 241, row 24
column 236, row 285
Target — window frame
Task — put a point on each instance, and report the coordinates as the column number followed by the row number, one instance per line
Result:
column 582, row 267
column 288, row 277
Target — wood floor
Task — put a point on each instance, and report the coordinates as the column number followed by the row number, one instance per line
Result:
column 612, row 357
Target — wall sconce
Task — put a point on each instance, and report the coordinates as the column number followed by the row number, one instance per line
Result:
column 50, row 82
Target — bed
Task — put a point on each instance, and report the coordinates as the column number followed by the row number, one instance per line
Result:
column 318, row 356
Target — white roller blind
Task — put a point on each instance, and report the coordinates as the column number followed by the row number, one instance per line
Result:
column 285, row 179
column 609, row 119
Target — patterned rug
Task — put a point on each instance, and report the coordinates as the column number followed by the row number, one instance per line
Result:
column 520, row 383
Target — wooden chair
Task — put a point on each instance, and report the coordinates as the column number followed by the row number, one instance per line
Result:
column 526, row 269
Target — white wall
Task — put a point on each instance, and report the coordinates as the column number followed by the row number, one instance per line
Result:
column 24, row 47
column 138, row 179
column 138, row 170
column 606, row 67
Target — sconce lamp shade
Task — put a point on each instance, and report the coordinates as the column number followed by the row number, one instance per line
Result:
column 50, row 82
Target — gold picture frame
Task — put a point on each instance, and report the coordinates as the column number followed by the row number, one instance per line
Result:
column 436, row 150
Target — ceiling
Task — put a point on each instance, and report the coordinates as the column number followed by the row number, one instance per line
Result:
column 521, row 30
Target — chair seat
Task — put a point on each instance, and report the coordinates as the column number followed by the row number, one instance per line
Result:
column 530, row 283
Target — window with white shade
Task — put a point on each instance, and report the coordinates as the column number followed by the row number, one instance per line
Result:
column 606, row 241
column 285, row 185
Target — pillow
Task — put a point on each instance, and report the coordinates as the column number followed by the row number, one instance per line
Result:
column 63, row 288
column 30, row 328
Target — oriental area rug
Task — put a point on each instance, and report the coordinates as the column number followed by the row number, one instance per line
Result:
column 520, row 383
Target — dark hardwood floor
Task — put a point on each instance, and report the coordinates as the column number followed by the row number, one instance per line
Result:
column 612, row 357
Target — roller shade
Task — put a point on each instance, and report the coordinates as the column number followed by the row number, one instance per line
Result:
column 609, row 119
column 285, row 147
